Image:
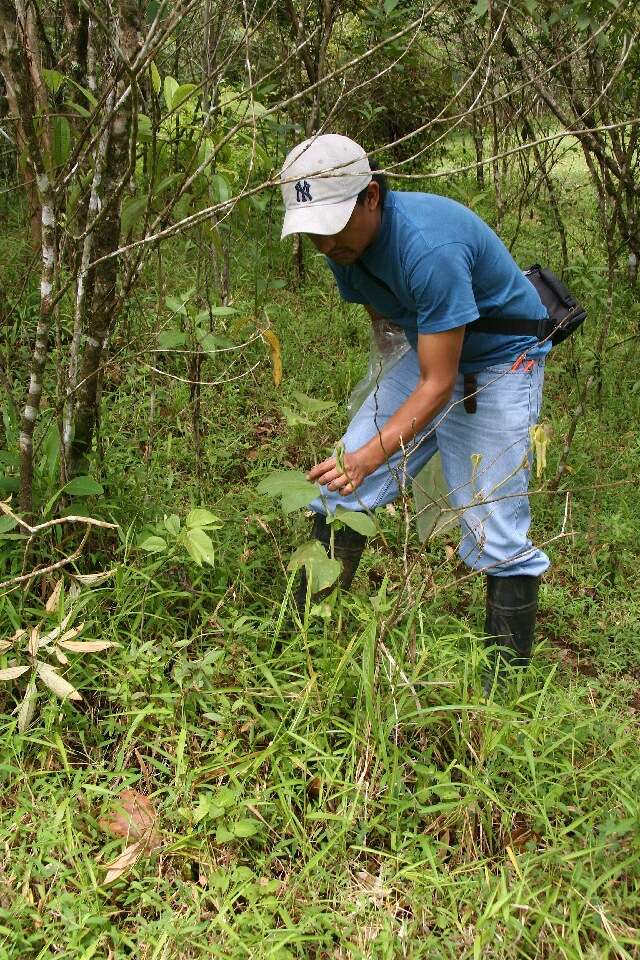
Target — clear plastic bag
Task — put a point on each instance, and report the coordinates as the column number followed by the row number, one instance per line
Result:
column 387, row 344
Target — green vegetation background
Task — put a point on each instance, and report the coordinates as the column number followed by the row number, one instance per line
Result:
column 317, row 798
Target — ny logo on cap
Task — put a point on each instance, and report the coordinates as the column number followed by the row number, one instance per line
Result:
column 303, row 191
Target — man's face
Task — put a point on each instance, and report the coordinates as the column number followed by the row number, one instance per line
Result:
column 348, row 246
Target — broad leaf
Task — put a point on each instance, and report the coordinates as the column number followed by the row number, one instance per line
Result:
column 169, row 88
column 295, row 419
column 295, row 491
column 172, row 524
column 7, row 524
column 182, row 95
column 156, row 81
column 202, row 518
column 357, row 520
column 53, row 79
column 153, row 545
column 171, row 339
column 83, row 487
column 244, row 828
column 311, row 405
column 321, row 570
column 199, row 546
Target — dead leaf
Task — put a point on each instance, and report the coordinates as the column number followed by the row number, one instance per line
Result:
column 133, row 817
column 88, row 579
column 10, row 673
column 70, row 634
column 56, row 632
column 449, row 552
column 34, row 642
column 4, row 645
column 127, row 859
column 52, row 679
column 85, row 646
column 60, row 657
column 52, row 603
column 276, row 355
column 27, row 707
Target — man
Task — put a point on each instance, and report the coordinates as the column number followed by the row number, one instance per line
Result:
column 431, row 266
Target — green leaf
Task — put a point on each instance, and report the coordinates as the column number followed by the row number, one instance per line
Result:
column 223, row 835
column 172, row 524
column 312, row 405
column 390, row 5
column 220, row 187
column 81, row 111
column 169, row 88
column 182, row 95
column 156, row 81
column 357, row 520
column 83, row 487
column 9, row 459
column 199, row 546
column 177, row 304
column 225, row 797
column 171, row 339
column 321, row 570
column 132, row 209
column 153, row 545
column 9, row 484
column 295, row 491
column 7, row 524
column 480, row 9
column 223, row 311
column 53, row 79
column 202, row 518
column 295, row 419
column 244, row 828
column 61, row 141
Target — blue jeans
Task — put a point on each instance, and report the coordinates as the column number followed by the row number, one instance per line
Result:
column 486, row 460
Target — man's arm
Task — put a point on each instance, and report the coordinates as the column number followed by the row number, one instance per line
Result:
column 438, row 358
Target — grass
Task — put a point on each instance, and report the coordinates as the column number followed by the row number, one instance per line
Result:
column 319, row 794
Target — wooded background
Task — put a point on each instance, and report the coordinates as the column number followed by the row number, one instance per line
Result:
column 332, row 785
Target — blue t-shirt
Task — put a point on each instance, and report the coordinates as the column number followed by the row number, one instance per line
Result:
column 444, row 267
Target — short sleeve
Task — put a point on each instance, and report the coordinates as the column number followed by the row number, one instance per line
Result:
column 345, row 289
column 441, row 286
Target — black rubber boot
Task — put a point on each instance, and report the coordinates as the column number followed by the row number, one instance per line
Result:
column 348, row 545
column 512, row 604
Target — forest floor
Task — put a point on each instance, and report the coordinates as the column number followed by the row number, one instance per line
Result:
column 310, row 791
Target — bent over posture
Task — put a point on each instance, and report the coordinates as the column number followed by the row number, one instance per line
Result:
column 433, row 267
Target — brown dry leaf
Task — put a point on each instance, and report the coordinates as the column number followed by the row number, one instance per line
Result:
column 87, row 579
column 276, row 355
column 27, row 707
column 133, row 817
column 60, row 657
column 449, row 552
column 52, row 603
column 127, row 859
column 10, row 673
column 34, row 642
column 4, row 645
column 52, row 679
column 85, row 646
column 70, row 634
column 17, row 636
column 56, row 632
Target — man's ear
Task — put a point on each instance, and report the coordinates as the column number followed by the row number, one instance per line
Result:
column 373, row 195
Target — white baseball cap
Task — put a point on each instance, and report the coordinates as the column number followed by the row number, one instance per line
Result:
column 320, row 180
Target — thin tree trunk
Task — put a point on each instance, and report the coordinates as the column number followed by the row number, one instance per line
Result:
column 101, row 295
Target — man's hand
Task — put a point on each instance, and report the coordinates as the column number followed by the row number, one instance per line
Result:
column 344, row 472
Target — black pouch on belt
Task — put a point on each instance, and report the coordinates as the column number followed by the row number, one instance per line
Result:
column 469, row 398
